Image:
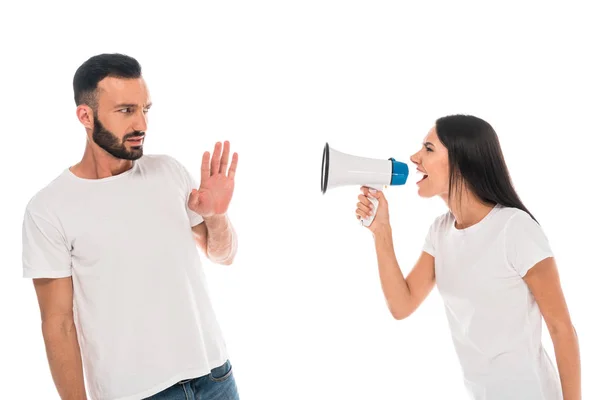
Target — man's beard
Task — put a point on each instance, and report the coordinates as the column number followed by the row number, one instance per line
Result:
column 115, row 146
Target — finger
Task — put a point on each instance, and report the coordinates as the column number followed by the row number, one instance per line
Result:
column 380, row 196
column 364, row 200
column 224, row 157
column 364, row 207
column 361, row 214
column 233, row 166
column 370, row 192
column 364, row 190
column 216, row 157
column 205, row 167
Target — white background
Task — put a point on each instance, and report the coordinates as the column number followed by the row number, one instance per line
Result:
column 302, row 308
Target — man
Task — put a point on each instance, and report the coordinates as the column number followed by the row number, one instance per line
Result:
column 111, row 247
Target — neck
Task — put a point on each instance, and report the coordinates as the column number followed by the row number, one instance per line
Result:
column 467, row 209
column 98, row 164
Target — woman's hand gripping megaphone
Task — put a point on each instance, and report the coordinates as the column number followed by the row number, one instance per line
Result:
column 372, row 208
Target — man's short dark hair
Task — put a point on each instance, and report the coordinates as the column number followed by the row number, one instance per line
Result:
column 96, row 68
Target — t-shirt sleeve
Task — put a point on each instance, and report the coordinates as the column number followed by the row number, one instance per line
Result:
column 526, row 243
column 429, row 244
column 190, row 183
column 46, row 253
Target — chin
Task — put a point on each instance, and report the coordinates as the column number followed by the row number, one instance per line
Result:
column 425, row 195
column 136, row 154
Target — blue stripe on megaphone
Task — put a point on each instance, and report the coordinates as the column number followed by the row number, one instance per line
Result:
column 399, row 172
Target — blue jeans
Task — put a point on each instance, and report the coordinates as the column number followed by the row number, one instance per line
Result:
column 218, row 385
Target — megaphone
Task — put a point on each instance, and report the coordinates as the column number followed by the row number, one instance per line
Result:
column 340, row 169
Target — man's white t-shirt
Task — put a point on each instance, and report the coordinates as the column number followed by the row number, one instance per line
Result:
column 496, row 324
column 142, row 311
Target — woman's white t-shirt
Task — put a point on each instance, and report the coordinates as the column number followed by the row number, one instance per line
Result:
column 494, row 320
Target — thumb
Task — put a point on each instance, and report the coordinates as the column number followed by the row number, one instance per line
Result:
column 193, row 199
column 375, row 193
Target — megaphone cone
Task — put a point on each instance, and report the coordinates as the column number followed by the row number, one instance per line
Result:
column 341, row 169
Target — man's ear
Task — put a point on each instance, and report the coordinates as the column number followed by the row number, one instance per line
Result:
column 85, row 114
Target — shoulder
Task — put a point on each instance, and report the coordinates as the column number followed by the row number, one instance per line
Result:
column 167, row 167
column 43, row 211
column 438, row 228
column 520, row 229
column 159, row 160
column 442, row 222
column 162, row 163
column 51, row 196
column 525, row 242
column 514, row 218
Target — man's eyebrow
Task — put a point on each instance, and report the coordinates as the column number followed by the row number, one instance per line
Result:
column 130, row 105
column 125, row 105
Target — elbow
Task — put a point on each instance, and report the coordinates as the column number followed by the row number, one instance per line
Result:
column 399, row 313
column 221, row 261
column 227, row 261
column 223, row 254
column 232, row 253
column 399, row 316
column 57, row 327
column 400, row 308
column 559, row 330
column 231, row 258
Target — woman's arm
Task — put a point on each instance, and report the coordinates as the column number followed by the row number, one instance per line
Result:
column 403, row 296
column 544, row 283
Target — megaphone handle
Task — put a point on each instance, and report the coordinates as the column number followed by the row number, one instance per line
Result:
column 369, row 220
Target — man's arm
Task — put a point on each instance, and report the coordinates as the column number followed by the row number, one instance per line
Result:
column 55, row 299
column 217, row 239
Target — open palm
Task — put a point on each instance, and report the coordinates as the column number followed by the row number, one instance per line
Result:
column 216, row 183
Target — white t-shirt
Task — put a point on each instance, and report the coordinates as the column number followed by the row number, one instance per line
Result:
column 495, row 323
column 143, row 315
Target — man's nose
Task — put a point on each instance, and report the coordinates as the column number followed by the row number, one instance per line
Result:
column 141, row 122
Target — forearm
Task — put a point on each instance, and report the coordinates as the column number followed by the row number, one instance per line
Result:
column 221, row 242
column 566, row 350
column 393, row 283
column 64, row 358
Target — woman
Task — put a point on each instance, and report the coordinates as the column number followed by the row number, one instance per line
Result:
column 492, row 265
